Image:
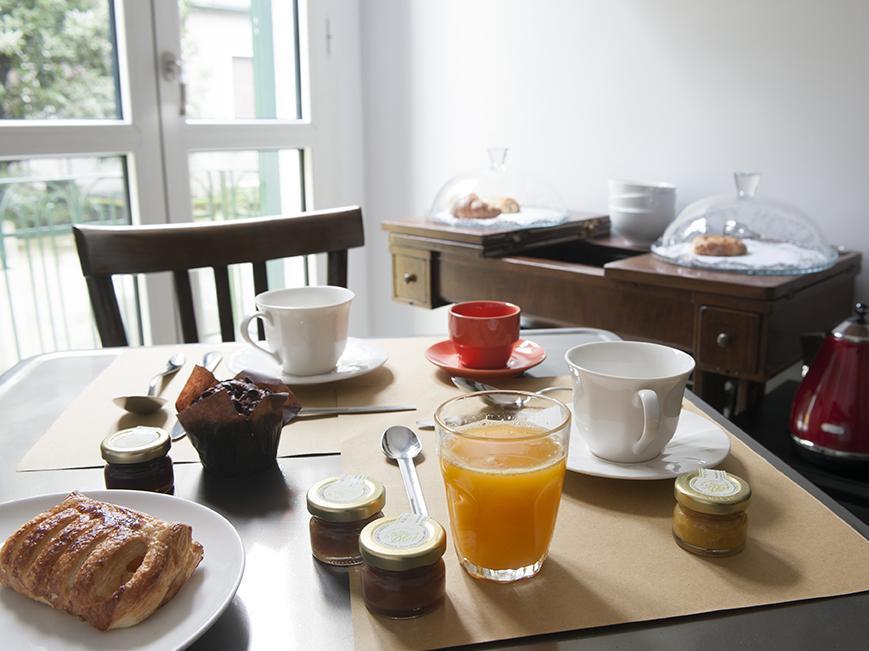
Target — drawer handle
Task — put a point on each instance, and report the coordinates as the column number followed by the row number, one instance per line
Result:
column 723, row 340
column 409, row 278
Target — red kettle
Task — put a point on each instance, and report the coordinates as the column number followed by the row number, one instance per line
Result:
column 830, row 412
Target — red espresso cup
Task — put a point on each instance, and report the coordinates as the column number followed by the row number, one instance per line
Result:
column 484, row 332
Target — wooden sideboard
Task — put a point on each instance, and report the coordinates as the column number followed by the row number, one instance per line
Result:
column 742, row 330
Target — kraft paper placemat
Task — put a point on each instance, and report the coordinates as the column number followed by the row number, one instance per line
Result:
column 73, row 439
column 613, row 559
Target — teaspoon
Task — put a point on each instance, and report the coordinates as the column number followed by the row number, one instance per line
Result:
column 473, row 386
column 402, row 444
column 151, row 402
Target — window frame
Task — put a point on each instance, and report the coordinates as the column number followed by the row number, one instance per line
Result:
column 156, row 139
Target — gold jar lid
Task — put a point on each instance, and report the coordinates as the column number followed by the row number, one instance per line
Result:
column 347, row 498
column 135, row 445
column 716, row 492
column 403, row 542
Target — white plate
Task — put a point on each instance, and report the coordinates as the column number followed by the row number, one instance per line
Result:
column 27, row 624
column 360, row 357
column 697, row 443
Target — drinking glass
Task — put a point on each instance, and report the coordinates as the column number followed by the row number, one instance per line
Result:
column 502, row 456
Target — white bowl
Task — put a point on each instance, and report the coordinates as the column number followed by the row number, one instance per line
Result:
column 637, row 201
column 640, row 226
column 620, row 186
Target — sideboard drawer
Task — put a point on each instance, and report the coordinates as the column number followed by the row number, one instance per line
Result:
column 411, row 279
column 728, row 340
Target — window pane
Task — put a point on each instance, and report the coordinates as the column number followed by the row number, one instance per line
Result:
column 240, row 58
column 58, row 60
column 44, row 303
column 235, row 184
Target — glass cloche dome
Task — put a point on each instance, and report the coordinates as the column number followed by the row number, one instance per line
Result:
column 497, row 197
column 745, row 234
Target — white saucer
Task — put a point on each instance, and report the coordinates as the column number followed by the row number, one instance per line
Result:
column 697, row 443
column 360, row 357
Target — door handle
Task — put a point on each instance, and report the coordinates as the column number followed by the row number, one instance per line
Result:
column 172, row 69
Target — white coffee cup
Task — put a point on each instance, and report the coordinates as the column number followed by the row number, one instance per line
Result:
column 627, row 397
column 305, row 327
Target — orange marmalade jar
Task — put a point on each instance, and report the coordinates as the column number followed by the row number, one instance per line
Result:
column 709, row 518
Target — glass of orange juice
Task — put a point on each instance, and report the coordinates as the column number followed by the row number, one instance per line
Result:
column 502, row 456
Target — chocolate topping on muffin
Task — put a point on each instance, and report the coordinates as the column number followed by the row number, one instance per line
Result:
column 245, row 395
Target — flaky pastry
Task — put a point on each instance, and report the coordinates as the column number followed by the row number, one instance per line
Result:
column 110, row 565
column 472, row 207
column 722, row 245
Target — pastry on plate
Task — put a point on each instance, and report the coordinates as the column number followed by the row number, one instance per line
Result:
column 721, row 245
column 507, row 205
column 472, row 207
column 110, row 565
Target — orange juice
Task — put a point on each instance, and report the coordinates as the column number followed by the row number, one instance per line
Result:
column 503, row 494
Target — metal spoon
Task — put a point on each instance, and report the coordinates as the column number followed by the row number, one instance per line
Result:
column 473, row 386
column 401, row 443
column 150, row 403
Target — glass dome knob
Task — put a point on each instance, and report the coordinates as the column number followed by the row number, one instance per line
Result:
column 498, row 158
column 746, row 183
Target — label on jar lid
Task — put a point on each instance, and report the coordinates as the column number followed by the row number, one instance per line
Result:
column 346, row 489
column 714, row 483
column 406, row 531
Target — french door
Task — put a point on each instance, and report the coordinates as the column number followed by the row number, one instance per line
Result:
column 165, row 111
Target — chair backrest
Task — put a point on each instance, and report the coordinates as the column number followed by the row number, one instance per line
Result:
column 108, row 250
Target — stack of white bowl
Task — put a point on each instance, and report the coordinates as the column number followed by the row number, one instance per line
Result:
column 639, row 210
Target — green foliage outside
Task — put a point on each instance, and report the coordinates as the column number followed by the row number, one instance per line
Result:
column 56, row 60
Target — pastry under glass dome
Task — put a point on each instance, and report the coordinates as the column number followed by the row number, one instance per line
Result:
column 778, row 238
column 497, row 197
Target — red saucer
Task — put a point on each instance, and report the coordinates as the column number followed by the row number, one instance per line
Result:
column 526, row 354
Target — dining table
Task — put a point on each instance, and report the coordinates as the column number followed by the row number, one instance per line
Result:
column 288, row 600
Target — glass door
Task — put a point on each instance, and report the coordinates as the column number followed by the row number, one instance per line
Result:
column 149, row 112
column 79, row 143
column 237, row 133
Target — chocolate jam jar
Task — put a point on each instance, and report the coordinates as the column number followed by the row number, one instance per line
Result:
column 137, row 459
column 340, row 508
column 404, row 574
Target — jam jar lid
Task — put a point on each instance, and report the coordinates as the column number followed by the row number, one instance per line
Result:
column 135, row 445
column 347, row 498
column 716, row 492
column 403, row 542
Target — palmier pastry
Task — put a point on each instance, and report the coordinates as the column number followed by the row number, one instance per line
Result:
column 472, row 207
column 112, row 566
column 723, row 245
column 506, row 204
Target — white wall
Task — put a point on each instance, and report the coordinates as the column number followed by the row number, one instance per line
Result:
column 680, row 90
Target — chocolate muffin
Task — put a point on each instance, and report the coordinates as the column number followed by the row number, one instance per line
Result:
column 235, row 425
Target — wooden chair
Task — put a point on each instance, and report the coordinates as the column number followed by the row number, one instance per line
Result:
column 108, row 250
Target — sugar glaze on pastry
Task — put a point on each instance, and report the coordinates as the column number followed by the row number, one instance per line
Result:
column 110, row 565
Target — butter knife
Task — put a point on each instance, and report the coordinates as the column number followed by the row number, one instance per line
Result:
column 367, row 409
column 210, row 361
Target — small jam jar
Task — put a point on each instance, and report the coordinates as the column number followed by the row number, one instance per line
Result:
column 403, row 575
column 340, row 507
column 137, row 459
column 709, row 518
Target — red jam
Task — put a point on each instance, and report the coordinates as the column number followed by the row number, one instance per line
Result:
column 156, row 476
column 137, row 459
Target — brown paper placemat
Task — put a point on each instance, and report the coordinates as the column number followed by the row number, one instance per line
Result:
column 613, row 559
column 73, row 439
